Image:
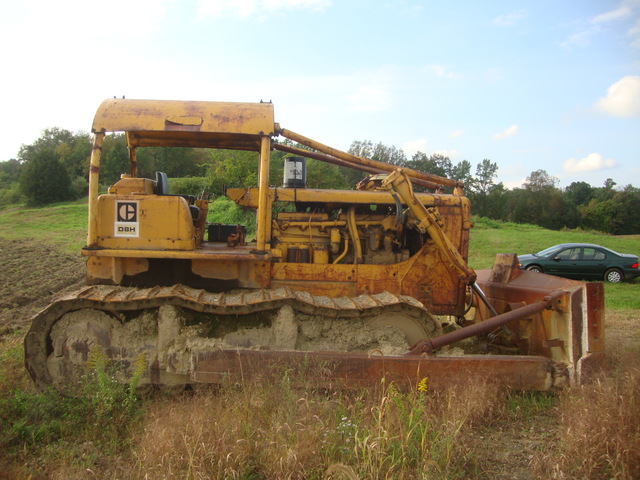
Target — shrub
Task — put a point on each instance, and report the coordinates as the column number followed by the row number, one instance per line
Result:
column 11, row 195
column 225, row 210
column 189, row 186
column 65, row 432
column 79, row 187
column 44, row 179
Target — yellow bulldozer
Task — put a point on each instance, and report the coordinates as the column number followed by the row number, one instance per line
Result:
column 354, row 285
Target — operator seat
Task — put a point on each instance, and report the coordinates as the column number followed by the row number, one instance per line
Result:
column 161, row 187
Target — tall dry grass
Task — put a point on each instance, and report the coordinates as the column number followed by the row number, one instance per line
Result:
column 599, row 423
column 274, row 430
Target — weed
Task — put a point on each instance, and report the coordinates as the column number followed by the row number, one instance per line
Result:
column 527, row 405
column 98, row 422
column 600, row 431
column 282, row 431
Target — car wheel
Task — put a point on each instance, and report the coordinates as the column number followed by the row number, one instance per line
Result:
column 613, row 275
column 535, row 268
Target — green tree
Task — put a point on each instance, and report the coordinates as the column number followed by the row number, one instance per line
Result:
column 462, row 172
column 578, row 193
column 72, row 149
column 483, row 182
column 232, row 168
column 174, row 161
column 10, row 171
column 9, row 182
column 435, row 164
column 325, row 175
column 615, row 212
column 44, row 179
column 481, row 186
column 626, row 211
column 541, row 202
column 494, row 205
column 540, row 181
column 115, row 159
column 379, row 152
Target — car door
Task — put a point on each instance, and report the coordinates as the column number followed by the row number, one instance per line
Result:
column 566, row 263
column 594, row 262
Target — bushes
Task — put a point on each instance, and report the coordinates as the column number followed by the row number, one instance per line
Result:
column 11, row 195
column 224, row 210
column 189, row 186
column 44, row 180
column 69, row 435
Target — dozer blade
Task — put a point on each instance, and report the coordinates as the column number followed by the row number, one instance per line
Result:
column 351, row 370
column 570, row 332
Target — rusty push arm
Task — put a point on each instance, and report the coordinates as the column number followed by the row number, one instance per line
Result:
column 398, row 181
column 323, row 157
column 366, row 164
column 551, row 301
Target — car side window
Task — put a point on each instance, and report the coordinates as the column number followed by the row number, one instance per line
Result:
column 569, row 254
column 592, row 254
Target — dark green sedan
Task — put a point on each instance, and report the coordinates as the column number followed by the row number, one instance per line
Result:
column 582, row 261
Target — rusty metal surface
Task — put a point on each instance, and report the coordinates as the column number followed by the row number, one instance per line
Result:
column 173, row 117
column 486, row 326
column 360, row 161
column 343, row 163
column 571, row 333
column 337, row 369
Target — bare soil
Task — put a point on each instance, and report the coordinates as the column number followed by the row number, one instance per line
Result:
column 32, row 274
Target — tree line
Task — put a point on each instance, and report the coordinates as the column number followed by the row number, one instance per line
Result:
column 55, row 168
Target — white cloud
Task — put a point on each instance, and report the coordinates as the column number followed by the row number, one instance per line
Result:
column 450, row 154
column 580, row 39
column 623, row 98
column 605, row 21
column 511, row 184
column 509, row 19
column 622, row 11
column 507, row 132
column 414, row 146
column 590, row 163
column 246, row 8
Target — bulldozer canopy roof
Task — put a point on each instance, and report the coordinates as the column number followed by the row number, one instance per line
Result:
column 169, row 123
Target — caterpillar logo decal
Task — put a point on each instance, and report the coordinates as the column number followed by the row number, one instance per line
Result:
column 126, row 224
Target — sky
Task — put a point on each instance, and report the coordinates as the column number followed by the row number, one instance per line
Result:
column 528, row 84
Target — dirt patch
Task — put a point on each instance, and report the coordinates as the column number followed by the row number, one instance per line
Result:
column 508, row 449
column 32, row 274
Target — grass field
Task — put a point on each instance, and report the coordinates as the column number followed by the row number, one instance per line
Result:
column 278, row 430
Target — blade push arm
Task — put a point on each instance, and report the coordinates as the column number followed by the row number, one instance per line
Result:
column 428, row 222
